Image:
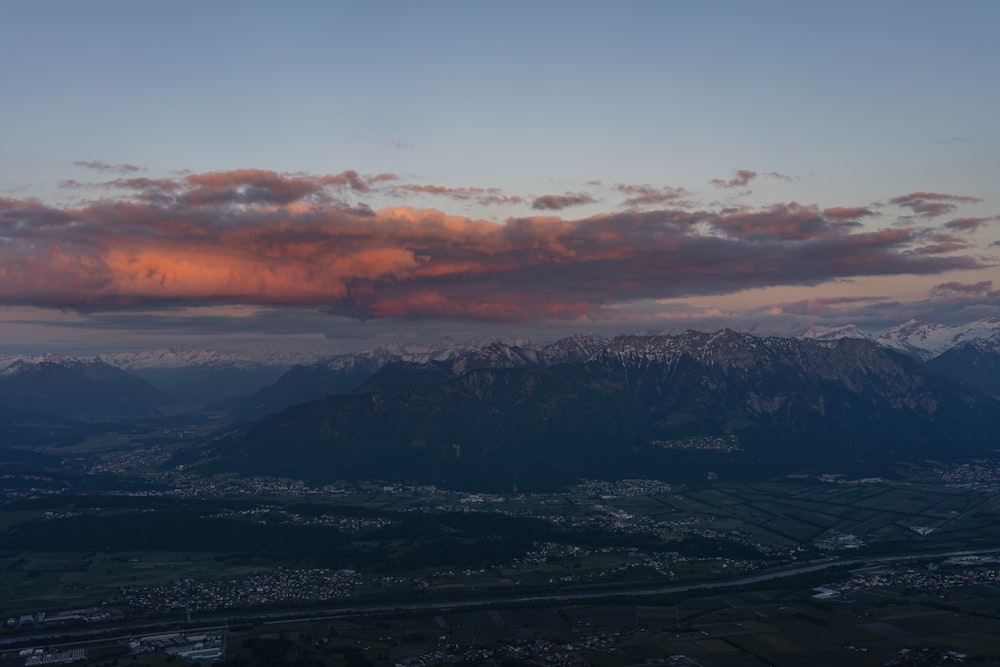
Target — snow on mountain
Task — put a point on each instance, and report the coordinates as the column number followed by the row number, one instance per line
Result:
column 836, row 333
column 921, row 340
column 925, row 340
column 16, row 364
column 418, row 353
column 720, row 348
column 990, row 344
column 186, row 358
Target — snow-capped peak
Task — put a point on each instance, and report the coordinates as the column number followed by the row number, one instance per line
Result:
column 836, row 333
column 18, row 363
column 926, row 340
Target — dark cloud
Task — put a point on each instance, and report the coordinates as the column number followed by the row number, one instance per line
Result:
column 482, row 196
column 871, row 314
column 648, row 195
column 96, row 165
column 29, row 218
column 967, row 224
column 788, row 222
column 847, row 213
column 823, row 305
column 937, row 243
column 240, row 187
column 559, row 202
column 740, row 178
column 932, row 204
column 954, row 289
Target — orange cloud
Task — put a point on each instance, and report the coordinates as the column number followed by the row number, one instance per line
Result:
column 263, row 238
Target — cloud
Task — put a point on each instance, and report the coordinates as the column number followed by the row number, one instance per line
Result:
column 822, row 306
column 238, row 186
column 740, row 178
column 273, row 240
column 871, row 313
column 559, row 202
column 937, row 243
column 847, row 213
column 482, row 196
column 104, row 166
column 954, row 289
column 787, row 222
column 967, row 224
column 932, row 204
column 648, row 195
column 247, row 187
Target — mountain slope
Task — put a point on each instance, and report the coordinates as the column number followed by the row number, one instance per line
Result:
column 383, row 367
column 665, row 406
column 975, row 362
column 924, row 341
column 496, row 355
column 66, row 386
column 205, row 376
column 300, row 384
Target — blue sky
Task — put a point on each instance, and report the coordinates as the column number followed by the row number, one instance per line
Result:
column 478, row 111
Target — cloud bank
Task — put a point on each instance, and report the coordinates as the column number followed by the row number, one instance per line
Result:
column 262, row 238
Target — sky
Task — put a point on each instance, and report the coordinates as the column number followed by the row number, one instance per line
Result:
column 334, row 176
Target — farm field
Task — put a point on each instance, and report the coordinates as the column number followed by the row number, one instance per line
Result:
column 267, row 546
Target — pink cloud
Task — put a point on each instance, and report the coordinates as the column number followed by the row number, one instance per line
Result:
column 846, row 213
column 932, row 204
column 788, row 222
column 740, row 178
column 559, row 202
column 647, row 195
column 940, row 243
column 259, row 237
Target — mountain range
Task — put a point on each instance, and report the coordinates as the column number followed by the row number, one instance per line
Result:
column 920, row 340
column 517, row 412
column 254, row 384
column 726, row 403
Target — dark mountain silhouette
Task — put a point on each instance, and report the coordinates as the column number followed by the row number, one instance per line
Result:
column 70, row 387
column 671, row 407
column 300, row 384
column 975, row 362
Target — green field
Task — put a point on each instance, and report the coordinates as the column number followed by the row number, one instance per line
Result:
column 71, row 551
